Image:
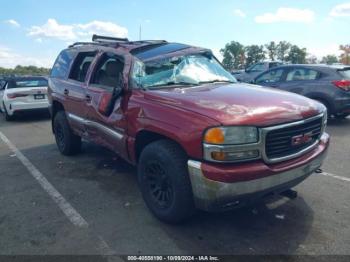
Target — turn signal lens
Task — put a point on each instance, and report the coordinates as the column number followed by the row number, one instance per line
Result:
column 218, row 156
column 231, row 135
column 234, row 156
column 214, row 136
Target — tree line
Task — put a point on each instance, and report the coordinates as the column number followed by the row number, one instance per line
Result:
column 24, row 70
column 238, row 56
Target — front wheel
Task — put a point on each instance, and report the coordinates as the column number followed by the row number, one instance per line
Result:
column 67, row 142
column 164, row 181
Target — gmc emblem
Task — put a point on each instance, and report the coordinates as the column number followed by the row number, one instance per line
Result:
column 301, row 139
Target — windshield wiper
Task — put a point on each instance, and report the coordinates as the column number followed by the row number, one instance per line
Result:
column 172, row 83
column 216, row 81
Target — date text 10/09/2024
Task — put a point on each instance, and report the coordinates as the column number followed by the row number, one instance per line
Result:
column 172, row 258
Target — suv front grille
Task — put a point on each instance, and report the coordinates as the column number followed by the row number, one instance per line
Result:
column 286, row 141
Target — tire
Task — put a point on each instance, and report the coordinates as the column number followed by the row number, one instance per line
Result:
column 341, row 115
column 7, row 116
column 329, row 113
column 67, row 142
column 164, row 181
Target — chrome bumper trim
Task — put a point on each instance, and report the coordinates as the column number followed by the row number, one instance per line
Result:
column 208, row 193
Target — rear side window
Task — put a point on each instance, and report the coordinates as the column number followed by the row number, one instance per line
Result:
column 345, row 73
column 61, row 67
column 300, row 74
column 81, row 66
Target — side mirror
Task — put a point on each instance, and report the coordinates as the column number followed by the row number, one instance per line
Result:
column 107, row 101
column 104, row 102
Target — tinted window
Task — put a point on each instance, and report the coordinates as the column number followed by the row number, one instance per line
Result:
column 299, row 74
column 270, row 76
column 108, row 73
column 81, row 66
column 345, row 73
column 61, row 67
column 28, row 82
column 156, row 50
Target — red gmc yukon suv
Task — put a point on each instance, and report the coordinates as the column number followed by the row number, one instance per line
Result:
column 199, row 138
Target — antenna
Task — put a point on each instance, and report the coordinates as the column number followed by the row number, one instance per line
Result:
column 140, row 32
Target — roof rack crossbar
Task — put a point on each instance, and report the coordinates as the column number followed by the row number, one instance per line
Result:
column 150, row 41
column 81, row 43
column 115, row 41
column 108, row 39
column 93, row 43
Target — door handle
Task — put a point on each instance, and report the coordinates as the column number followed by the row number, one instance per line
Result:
column 66, row 92
column 88, row 98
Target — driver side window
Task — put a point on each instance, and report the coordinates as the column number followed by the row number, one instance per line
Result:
column 270, row 77
column 108, row 73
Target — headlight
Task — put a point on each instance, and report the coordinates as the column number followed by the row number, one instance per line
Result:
column 231, row 144
column 234, row 135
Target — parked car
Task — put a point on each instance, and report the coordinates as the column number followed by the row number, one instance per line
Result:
column 327, row 84
column 251, row 72
column 23, row 94
column 199, row 138
column 2, row 83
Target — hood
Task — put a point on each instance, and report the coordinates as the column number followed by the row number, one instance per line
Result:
column 239, row 104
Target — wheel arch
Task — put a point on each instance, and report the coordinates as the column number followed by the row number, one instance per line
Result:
column 56, row 107
column 323, row 99
column 145, row 137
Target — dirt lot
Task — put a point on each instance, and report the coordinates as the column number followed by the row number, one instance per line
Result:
column 97, row 207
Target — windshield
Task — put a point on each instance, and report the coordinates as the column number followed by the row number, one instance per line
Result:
column 183, row 70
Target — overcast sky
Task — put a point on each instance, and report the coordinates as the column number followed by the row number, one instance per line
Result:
column 34, row 31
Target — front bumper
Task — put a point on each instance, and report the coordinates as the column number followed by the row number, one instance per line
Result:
column 245, row 183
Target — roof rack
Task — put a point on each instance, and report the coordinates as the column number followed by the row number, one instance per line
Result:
column 149, row 42
column 115, row 41
column 87, row 43
column 108, row 39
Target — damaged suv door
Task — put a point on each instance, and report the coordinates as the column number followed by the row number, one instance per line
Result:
column 105, row 102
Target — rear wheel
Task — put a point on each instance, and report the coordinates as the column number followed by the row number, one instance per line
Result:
column 341, row 115
column 164, row 181
column 7, row 116
column 67, row 142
